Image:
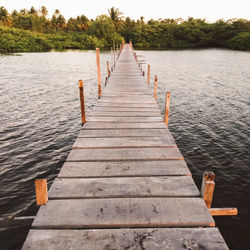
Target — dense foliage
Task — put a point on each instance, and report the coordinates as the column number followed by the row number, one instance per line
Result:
column 32, row 30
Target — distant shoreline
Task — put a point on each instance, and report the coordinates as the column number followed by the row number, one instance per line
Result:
column 32, row 31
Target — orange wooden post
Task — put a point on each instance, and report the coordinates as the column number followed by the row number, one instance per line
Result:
column 108, row 69
column 207, row 187
column 41, row 191
column 148, row 74
column 98, row 71
column 155, row 89
column 82, row 101
column 167, row 103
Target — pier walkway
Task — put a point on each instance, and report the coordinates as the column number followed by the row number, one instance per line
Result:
column 125, row 184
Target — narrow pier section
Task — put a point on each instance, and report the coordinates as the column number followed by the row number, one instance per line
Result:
column 125, row 184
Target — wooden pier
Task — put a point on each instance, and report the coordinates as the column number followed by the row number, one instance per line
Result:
column 125, row 184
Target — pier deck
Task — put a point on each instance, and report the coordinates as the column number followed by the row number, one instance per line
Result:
column 125, row 184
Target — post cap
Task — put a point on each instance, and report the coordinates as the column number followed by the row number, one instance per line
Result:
column 80, row 83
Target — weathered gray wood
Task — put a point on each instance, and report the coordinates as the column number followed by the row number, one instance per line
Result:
column 78, row 188
column 123, row 168
column 126, row 114
column 123, row 142
column 123, row 212
column 124, row 119
column 122, row 109
column 124, row 154
column 102, row 133
column 121, row 239
column 126, row 105
column 123, row 125
column 129, row 101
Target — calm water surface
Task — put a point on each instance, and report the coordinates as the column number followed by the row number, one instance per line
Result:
column 209, row 118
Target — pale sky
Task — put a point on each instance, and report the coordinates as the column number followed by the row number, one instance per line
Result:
column 212, row 10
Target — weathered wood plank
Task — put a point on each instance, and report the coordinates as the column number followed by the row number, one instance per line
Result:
column 126, row 114
column 102, row 133
column 77, row 188
column 123, row 142
column 120, row 239
column 123, row 212
column 126, row 105
column 124, row 154
column 124, row 119
column 125, row 109
column 123, row 168
column 130, row 125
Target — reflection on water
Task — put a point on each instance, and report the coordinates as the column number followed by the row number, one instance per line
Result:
column 209, row 118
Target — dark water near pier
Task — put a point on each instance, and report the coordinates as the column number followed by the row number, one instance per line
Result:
column 209, row 118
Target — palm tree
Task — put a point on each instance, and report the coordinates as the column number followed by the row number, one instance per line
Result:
column 44, row 11
column 115, row 14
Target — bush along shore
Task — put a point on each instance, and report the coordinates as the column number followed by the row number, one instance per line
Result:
column 32, row 31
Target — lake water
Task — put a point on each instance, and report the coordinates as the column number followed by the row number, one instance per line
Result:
column 209, row 119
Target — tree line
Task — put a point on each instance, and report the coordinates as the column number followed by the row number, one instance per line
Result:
column 33, row 30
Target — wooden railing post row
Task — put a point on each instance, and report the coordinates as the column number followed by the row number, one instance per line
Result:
column 108, row 69
column 167, row 104
column 155, row 87
column 114, row 53
column 82, row 101
column 207, row 187
column 98, row 71
column 148, row 74
column 41, row 191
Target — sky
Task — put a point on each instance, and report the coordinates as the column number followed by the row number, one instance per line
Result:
column 211, row 10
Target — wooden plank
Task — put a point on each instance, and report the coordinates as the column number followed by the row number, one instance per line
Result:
column 141, row 238
column 125, row 119
column 122, row 109
column 123, row 212
column 123, row 168
column 76, row 188
column 107, row 133
column 223, row 211
column 123, row 142
column 123, row 125
column 124, row 154
column 125, row 105
column 124, row 100
column 126, row 114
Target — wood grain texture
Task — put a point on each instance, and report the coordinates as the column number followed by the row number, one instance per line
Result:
column 124, row 125
column 124, row 114
column 123, row 212
column 124, row 154
column 181, row 186
column 125, row 142
column 123, row 168
column 120, row 239
column 124, row 119
column 118, row 133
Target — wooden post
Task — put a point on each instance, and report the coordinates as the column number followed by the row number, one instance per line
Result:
column 167, row 104
column 108, row 69
column 41, row 191
column 82, row 101
column 155, row 90
column 207, row 187
column 148, row 74
column 98, row 71
column 114, row 52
